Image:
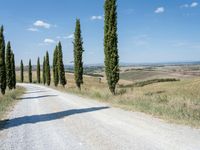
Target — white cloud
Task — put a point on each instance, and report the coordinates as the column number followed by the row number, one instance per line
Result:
column 194, row 4
column 96, row 18
column 33, row 29
column 160, row 10
column 71, row 36
column 49, row 41
column 42, row 24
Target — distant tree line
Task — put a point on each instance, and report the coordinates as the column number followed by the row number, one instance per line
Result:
column 58, row 71
column 58, row 65
column 7, row 65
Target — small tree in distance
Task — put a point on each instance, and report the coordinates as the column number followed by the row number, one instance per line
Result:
column 38, row 70
column 9, row 66
column 55, row 67
column 44, row 71
column 48, row 70
column 61, row 68
column 13, row 70
column 30, row 72
column 78, row 51
column 22, row 71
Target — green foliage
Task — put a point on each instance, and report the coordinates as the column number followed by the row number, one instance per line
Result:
column 13, row 70
column 147, row 82
column 55, row 67
column 2, row 62
column 111, row 45
column 48, row 70
column 38, row 71
column 78, row 51
column 30, row 72
column 61, row 68
column 8, row 66
column 44, row 71
column 22, row 71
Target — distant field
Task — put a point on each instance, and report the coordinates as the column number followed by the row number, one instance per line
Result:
column 146, row 73
column 177, row 101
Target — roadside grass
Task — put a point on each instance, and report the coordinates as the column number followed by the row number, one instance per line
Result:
column 176, row 102
column 9, row 99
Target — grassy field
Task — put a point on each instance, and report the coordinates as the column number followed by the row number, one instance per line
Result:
column 9, row 99
column 177, row 101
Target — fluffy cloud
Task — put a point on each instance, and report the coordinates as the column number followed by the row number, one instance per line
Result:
column 49, row 41
column 71, row 36
column 160, row 10
column 96, row 18
column 192, row 5
column 42, row 24
column 33, row 29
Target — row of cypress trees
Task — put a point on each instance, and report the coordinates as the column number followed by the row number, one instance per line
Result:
column 7, row 65
column 110, row 50
column 58, row 65
column 58, row 69
column 46, row 71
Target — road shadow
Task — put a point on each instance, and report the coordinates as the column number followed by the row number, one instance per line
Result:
column 15, row 122
column 36, row 97
column 30, row 92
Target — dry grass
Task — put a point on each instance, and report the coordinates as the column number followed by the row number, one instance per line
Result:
column 9, row 99
column 177, row 102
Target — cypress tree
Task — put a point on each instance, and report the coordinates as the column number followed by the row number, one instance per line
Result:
column 78, row 51
column 30, row 72
column 2, row 62
column 55, row 67
column 44, row 71
column 13, row 70
column 61, row 68
column 111, row 44
column 38, row 70
column 22, row 71
column 9, row 66
column 48, row 70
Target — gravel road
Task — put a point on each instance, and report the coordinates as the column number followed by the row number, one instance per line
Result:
column 46, row 119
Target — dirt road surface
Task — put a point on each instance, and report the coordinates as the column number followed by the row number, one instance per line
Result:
column 46, row 119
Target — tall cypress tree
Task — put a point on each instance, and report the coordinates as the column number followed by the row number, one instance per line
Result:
column 2, row 62
column 13, row 70
column 44, row 71
column 38, row 70
column 61, row 68
column 78, row 51
column 30, row 72
column 48, row 70
column 111, row 44
column 9, row 66
column 55, row 67
column 22, row 71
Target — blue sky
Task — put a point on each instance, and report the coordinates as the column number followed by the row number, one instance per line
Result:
column 149, row 30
